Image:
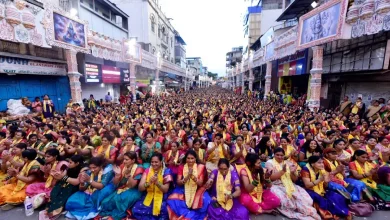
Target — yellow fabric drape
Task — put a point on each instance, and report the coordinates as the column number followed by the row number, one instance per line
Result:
column 50, row 178
column 91, row 189
column 154, row 193
column 91, row 103
column 333, row 168
column 224, row 188
column 176, row 159
column 132, row 171
column 47, row 102
column 190, row 186
column 200, row 154
column 319, row 188
column 219, row 151
column 367, row 167
column 106, row 153
column 24, row 172
column 285, row 178
column 257, row 193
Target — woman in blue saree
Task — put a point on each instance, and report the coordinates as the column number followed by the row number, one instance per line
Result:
column 155, row 182
column 189, row 200
column 126, row 180
column 94, row 187
column 329, row 203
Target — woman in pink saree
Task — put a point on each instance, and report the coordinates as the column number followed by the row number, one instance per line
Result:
column 52, row 164
column 254, row 196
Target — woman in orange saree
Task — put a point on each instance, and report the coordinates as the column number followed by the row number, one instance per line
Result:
column 15, row 193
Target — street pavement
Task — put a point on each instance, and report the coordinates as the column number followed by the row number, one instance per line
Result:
column 18, row 214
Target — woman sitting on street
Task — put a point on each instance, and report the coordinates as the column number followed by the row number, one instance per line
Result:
column 189, row 200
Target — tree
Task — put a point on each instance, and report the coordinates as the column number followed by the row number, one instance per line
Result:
column 212, row 75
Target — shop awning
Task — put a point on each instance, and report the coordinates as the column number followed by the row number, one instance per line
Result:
column 140, row 85
column 296, row 9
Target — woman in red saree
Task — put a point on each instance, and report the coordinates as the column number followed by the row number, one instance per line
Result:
column 189, row 199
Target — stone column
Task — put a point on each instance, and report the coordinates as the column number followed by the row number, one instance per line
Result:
column 74, row 76
column 157, row 81
column 267, row 86
column 133, row 82
column 243, row 83
column 316, row 75
column 251, row 79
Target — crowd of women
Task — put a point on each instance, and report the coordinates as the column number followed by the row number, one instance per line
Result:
column 204, row 154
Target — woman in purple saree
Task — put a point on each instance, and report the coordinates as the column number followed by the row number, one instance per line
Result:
column 225, row 191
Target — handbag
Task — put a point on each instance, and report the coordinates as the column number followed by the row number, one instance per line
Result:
column 361, row 209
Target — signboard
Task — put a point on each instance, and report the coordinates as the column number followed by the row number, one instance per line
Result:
column 111, row 74
column 125, row 75
column 92, row 73
column 14, row 65
column 323, row 24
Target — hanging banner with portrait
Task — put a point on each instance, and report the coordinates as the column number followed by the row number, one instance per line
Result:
column 324, row 24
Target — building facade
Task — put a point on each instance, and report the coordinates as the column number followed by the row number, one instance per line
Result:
column 74, row 48
column 158, row 40
column 347, row 55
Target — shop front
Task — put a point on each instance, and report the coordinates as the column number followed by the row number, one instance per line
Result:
column 21, row 77
column 293, row 74
column 102, row 76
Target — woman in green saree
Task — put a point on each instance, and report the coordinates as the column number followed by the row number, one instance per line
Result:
column 67, row 184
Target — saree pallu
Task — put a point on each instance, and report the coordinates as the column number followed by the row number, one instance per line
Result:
column 59, row 195
column 269, row 201
column 116, row 205
column 140, row 211
column 7, row 194
column 37, row 188
column 330, row 205
column 3, row 179
column 299, row 206
column 356, row 188
column 237, row 212
column 177, row 207
column 84, row 206
column 383, row 192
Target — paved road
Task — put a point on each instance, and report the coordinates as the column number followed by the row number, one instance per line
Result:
column 18, row 214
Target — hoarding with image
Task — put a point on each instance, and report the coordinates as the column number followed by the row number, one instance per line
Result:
column 111, row 74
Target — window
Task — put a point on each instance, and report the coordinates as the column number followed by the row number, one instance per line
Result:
column 102, row 10
column 88, row 3
column 153, row 23
column 159, row 30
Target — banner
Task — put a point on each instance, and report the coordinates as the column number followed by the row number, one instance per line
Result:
column 14, row 65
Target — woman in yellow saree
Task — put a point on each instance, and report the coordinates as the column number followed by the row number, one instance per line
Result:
column 363, row 170
column 11, row 160
column 15, row 193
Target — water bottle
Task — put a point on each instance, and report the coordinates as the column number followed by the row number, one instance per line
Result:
column 28, row 207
